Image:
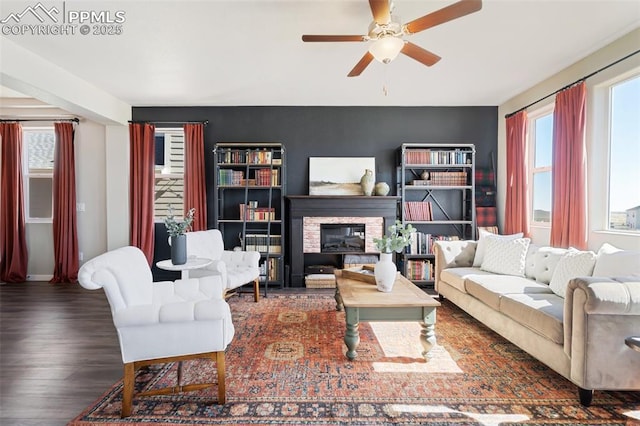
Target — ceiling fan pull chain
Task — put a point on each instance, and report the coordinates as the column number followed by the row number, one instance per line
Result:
column 385, row 81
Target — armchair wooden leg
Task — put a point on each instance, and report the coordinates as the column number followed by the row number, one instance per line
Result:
column 256, row 290
column 222, row 392
column 127, row 389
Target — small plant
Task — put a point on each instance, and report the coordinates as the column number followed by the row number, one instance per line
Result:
column 174, row 227
column 399, row 237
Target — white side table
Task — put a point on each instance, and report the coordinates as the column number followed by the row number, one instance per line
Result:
column 192, row 263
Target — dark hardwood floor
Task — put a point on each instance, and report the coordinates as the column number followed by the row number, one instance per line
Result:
column 58, row 352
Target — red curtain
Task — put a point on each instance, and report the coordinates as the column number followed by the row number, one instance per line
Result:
column 142, row 186
column 13, row 252
column 65, row 229
column 569, row 179
column 516, row 216
column 195, row 194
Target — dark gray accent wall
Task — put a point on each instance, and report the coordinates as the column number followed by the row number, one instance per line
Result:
column 336, row 132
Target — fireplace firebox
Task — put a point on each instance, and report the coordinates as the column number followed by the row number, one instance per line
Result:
column 342, row 238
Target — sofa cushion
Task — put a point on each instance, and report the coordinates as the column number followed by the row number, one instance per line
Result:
column 482, row 242
column 489, row 288
column 505, row 256
column 541, row 313
column 613, row 262
column 546, row 259
column 530, row 261
column 574, row 263
column 456, row 277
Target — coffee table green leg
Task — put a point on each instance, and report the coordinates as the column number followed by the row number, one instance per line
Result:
column 339, row 304
column 352, row 336
column 428, row 333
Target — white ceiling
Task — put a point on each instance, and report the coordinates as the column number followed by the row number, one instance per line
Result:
column 249, row 52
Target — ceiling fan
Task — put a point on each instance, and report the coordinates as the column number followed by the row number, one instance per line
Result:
column 386, row 33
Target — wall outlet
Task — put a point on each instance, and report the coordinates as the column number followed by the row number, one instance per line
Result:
column 80, row 207
column 81, row 256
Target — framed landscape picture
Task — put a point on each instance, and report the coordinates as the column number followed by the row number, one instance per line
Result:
column 338, row 175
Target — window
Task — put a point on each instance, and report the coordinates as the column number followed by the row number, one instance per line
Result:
column 169, row 161
column 38, row 154
column 540, row 160
column 624, row 155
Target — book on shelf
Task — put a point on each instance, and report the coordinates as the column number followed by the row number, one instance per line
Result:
column 422, row 243
column 228, row 177
column 417, row 210
column 270, row 270
column 429, row 156
column 443, row 179
column 263, row 243
column 254, row 213
column 248, row 156
column 267, row 177
column 421, row 270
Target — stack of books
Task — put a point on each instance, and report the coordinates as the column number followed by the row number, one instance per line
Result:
column 227, row 177
column 427, row 156
column 267, row 177
column 252, row 212
column 422, row 243
column 417, row 210
column 420, row 270
column 263, row 243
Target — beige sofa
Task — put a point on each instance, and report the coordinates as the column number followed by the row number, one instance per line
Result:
column 581, row 336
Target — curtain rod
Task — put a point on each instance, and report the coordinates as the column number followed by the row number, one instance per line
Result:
column 205, row 122
column 10, row 120
column 575, row 82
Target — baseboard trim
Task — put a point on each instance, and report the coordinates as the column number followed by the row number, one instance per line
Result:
column 39, row 277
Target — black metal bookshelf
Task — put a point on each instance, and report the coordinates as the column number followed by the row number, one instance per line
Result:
column 250, row 185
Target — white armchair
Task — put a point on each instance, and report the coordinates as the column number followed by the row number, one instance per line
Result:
column 163, row 321
column 236, row 268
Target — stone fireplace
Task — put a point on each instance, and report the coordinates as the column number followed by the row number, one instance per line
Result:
column 349, row 219
column 367, row 228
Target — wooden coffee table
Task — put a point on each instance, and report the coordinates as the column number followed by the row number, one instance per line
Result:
column 406, row 302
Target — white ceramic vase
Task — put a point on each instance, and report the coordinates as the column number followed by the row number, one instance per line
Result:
column 367, row 182
column 385, row 272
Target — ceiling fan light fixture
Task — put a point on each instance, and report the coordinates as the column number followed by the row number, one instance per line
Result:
column 386, row 48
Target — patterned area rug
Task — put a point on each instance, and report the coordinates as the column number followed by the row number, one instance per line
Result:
column 286, row 365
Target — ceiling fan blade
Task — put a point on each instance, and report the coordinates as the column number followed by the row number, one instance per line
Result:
column 361, row 65
column 380, row 11
column 419, row 54
column 446, row 14
column 333, row 38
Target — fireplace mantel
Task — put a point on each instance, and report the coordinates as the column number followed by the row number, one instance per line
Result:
column 301, row 206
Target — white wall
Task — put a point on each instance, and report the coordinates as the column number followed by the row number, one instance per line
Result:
column 117, row 186
column 90, row 161
column 596, row 143
column 90, row 143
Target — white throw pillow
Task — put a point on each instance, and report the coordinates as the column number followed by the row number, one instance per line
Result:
column 506, row 256
column 574, row 263
column 607, row 248
column 621, row 263
column 546, row 259
column 482, row 242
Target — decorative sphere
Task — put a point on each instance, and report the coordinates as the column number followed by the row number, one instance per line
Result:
column 381, row 188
